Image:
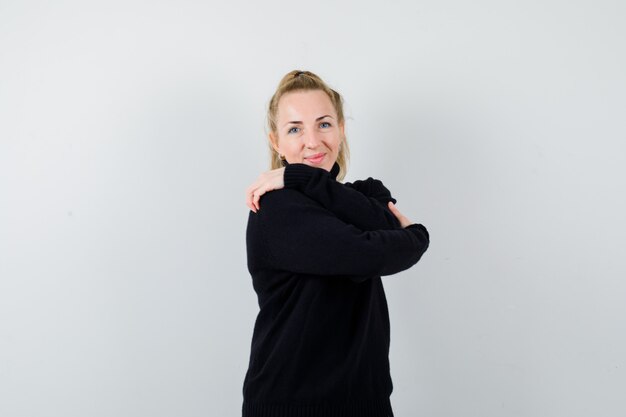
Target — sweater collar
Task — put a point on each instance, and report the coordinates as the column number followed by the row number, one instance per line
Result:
column 334, row 171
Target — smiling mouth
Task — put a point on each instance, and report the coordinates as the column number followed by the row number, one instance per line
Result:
column 316, row 159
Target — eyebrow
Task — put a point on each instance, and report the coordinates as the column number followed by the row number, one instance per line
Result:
column 297, row 122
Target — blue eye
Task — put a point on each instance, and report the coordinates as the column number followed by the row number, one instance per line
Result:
column 291, row 130
column 325, row 123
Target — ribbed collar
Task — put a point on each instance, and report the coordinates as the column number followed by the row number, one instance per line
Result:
column 334, row 171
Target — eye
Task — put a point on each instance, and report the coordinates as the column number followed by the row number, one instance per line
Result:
column 325, row 123
column 292, row 130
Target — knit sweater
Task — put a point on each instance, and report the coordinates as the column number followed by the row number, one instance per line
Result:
column 316, row 251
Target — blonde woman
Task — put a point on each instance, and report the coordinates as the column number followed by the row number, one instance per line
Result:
column 316, row 250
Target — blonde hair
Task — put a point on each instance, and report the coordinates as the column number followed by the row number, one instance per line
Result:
column 306, row 80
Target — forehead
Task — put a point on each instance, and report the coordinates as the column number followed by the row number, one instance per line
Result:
column 305, row 104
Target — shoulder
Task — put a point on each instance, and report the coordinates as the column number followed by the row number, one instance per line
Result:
column 277, row 204
column 285, row 211
column 284, row 197
column 279, row 210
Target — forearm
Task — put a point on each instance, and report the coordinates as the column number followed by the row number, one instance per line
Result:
column 348, row 204
column 301, row 236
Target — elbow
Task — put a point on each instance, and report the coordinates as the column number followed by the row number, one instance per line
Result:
column 424, row 243
column 421, row 252
column 411, row 255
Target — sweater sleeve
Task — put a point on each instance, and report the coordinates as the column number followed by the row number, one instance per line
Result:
column 372, row 187
column 304, row 237
column 351, row 203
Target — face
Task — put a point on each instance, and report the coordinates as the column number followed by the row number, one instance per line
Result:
column 307, row 129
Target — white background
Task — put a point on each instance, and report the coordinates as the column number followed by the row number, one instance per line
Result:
column 129, row 131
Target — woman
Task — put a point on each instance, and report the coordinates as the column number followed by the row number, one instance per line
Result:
column 316, row 251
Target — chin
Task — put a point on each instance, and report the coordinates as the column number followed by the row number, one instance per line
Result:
column 324, row 166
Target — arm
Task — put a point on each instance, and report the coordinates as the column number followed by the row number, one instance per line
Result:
column 372, row 188
column 303, row 237
column 347, row 202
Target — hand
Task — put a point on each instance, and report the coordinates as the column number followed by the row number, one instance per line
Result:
column 404, row 222
column 267, row 181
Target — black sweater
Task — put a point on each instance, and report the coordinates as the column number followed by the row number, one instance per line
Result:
column 316, row 250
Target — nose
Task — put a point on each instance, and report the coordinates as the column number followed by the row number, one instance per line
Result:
column 312, row 139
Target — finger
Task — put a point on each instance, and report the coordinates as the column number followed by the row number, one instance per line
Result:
column 249, row 204
column 257, row 195
column 252, row 187
column 249, row 192
column 249, row 200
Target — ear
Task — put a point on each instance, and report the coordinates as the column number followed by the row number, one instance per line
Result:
column 342, row 127
column 274, row 141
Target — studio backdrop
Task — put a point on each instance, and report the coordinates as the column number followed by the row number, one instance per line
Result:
column 129, row 131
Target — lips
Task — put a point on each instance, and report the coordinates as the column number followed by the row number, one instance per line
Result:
column 316, row 159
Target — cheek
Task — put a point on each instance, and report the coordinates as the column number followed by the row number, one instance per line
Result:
column 292, row 146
